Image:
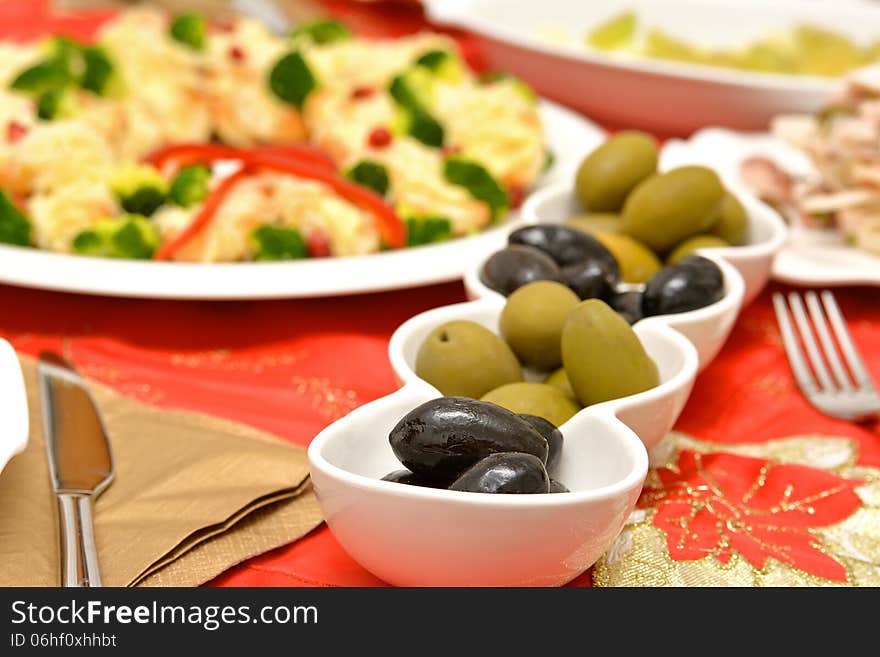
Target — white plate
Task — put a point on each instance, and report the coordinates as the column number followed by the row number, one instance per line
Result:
column 13, row 406
column 669, row 97
column 569, row 136
column 811, row 257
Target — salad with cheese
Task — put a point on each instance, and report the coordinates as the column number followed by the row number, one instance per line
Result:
column 171, row 138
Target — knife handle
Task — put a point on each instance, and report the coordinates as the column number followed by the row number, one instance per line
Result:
column 79, row 557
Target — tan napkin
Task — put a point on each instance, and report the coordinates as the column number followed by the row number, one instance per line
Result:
column 193, row 496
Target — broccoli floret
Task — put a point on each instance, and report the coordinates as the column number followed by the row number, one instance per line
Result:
column 56, row 103
column 99, row 71
column 426, row 230
column 322, row 30
column 190, row 186
column 67, row 63
column 139, row 188
column 433, row 59
column 189, row 29
column 443, row 64
column 276, row 243
column 425, row 128
column 129, row 236
column 524, row 90
column 370, row 174
column 478, row 181
column 15, row 228
column 291, row 79
column 41, row 77
column 412, row 91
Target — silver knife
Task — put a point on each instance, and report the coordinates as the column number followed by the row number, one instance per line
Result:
column 80, row 464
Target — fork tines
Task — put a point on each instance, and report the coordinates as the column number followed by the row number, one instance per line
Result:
column 822, row 373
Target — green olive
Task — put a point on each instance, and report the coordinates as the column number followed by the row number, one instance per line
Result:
column 603, row 356
column 610, row 172
column 532, row 321
column 733, row 220
column 668, row 208
column 560, row 379
column 595, row 222
column 636, row 261
column 465, row 359
column 540, row 399
column 691, row 244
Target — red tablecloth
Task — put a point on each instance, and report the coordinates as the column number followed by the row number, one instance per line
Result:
column 292, row 367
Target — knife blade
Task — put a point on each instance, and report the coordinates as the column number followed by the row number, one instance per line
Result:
column 80, row 464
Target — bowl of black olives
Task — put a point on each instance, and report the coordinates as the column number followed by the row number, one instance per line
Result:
column 429, row 490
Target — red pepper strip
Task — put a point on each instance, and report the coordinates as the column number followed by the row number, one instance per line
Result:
column 180, row 155
column 303, row 152
column 391, row 229
column 203, row 217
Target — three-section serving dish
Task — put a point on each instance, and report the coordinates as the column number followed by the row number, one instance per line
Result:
column 414, row 535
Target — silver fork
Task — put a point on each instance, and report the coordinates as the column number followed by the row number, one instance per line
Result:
column 840, row 393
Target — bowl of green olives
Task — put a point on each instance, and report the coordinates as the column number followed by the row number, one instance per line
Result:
column 653, row 206
column 470, row 515
column 544, row 352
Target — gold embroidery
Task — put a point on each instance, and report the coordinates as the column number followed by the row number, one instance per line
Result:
column 639, row 556
column 328, row 400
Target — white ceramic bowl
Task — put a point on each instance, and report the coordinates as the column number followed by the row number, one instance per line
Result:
column 707, row 328
column 13, row 406
column 634, row 91
column 414, row 536
column 766, row 235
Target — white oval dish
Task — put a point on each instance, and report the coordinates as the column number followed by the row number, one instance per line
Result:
column 13, row 406
column 569, row 136
column 635, row 91
column 415, row 536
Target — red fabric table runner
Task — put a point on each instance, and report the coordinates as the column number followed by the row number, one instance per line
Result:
column 292, row 367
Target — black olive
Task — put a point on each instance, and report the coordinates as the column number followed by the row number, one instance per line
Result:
column 411, row 478
column 590, row 279
column 551, row 434
column 443, row 437
column 565, row 245
column 556, row 487
column 692, row 283
column 507, row 472
column 628, row 304
column 515, row 266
